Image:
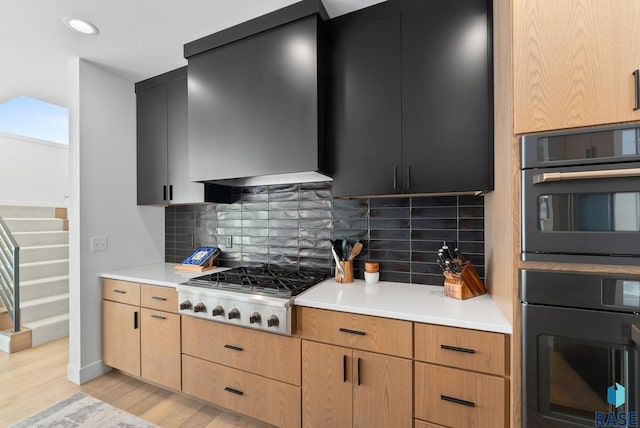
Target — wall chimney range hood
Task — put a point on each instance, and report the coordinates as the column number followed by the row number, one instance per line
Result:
column 256, row 100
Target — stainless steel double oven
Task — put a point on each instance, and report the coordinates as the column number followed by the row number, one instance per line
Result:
column 580, row 204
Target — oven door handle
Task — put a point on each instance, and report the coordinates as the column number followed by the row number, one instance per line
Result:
column 635, row 333
column 585, row 175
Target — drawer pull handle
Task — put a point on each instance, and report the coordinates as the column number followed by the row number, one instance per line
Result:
column 120, row 291
column 234, row 348
column 135, row 320
column 159, row 317
column 164, row 299
column 233, row 391
column 344, row 368
column 458, row 349
column 457, row 401
column 346, row 330
column 636, row 80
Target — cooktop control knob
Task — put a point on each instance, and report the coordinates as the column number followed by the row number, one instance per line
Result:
column 200, row 307
column 254, row 318
column 217, row 311
column 234, row 313
column 273, row 321
column 185, row 305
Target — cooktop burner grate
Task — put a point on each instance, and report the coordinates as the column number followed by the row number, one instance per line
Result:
column 271, row 280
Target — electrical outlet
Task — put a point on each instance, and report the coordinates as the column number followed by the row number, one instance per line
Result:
column 99, row 243
column 228, row 241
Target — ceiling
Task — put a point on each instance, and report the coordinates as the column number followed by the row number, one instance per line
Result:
column 138, row 39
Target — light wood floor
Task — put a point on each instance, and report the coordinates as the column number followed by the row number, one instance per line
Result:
column 34, row 379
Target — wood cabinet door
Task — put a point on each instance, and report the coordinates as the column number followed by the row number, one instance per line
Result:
column 121, row 336
column 160, row 348
column 573, row 63
column 383, row 391
column 326, row 385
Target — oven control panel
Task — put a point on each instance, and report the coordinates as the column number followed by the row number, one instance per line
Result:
column 267, row 314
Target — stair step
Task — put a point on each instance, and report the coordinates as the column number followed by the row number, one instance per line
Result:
column 43, row 287
column 33, row 224
column 48, row 268
column 48, row 329
column 27, row 239
column 13, row 342
column 40, row 253
column 45, row 307
column 15, row 211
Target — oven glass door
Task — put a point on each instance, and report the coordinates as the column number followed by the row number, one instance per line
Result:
column 571, row 218
column 571, row 359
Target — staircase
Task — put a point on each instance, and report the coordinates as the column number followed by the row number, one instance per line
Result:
column 42, row 235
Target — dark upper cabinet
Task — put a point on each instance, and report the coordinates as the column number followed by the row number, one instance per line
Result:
column 447, row 96
column 412, row 100
column 162, row 164
column 365, row 118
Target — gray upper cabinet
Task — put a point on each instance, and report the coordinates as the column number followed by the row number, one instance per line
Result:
column 411, row 107
column 162, row 150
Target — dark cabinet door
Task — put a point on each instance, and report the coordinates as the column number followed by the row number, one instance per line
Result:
column 365, row 117
column 152, row 158
column 447, row 96
column 181, row 190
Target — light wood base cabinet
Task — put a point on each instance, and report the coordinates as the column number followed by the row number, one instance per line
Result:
column 274, row 402
column 141, row 340
column 458, row 398
column 343, row 387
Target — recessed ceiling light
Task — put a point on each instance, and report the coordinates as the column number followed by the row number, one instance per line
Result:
column 80, row 25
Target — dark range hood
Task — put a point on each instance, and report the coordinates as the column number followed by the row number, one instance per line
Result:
column 256, row 100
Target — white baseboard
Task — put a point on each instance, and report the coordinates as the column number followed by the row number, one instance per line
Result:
column 83, row 375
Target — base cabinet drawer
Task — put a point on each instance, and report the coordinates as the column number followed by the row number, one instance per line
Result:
column 158, row 297
column 265, row 399
column 266, row 354
column 121, row 291
column 457, row 398
column 423, row 424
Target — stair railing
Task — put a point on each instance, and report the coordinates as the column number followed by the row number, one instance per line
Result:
column 10, row 274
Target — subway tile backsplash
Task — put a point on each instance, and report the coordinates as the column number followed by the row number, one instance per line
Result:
column 293, row 223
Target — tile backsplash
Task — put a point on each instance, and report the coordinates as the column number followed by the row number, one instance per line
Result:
column 293, row 223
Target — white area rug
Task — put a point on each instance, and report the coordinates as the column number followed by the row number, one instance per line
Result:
column 82, row 410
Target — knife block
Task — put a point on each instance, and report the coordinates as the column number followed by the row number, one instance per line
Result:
column 463, row 285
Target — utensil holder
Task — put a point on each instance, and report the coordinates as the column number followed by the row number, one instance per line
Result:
column 463, row 285
column 347, row 267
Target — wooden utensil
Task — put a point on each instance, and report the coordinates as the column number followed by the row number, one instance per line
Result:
column 355, row 250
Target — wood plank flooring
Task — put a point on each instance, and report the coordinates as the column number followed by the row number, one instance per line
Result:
column 34, row 379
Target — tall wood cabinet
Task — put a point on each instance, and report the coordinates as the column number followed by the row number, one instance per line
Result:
column 356, row 370
column 141, row 331
column 573, row 63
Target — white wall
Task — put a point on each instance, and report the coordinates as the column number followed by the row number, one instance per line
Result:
column 33, row 172
column 102, row 159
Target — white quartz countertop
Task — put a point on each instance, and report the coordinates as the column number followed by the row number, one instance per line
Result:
column 164, row 274
column 412, row 302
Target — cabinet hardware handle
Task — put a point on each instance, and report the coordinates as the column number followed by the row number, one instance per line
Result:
column 164, row 299
column 135, row 320
column 358, row 369
column 395, row 176
column 408, row 176
column 457, row 401
column 346, row 330
column 171, row 192
column 233, row 391
column 120, row 291
column 160, row 317
column 457, row 349
column 344, row 368
column 585, row 175
column 164, row 193
column 234, row 348
column 636, row 79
